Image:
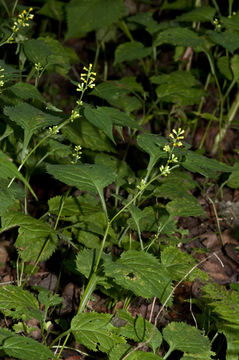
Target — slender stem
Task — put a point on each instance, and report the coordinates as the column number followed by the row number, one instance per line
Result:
column 14, row 7
column 5, row 7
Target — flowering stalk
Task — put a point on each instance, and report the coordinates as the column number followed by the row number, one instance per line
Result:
column 22, row 21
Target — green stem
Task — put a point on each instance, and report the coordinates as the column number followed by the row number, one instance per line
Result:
column 34, row 149
column 5, row 7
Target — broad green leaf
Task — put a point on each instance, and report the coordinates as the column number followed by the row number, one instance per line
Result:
column 93, row 330
column 233, row 180
column 18, row 303
column 179, row 263
column 130, row 83
column 120, row 167
column 179, row 36
column 235, row 66
column 139, row 329
column 145, row 19
column 117, row 96
column 120, row 350
column 227, row 39
column 88, row 239
column 35, row 238
column 186, row 338
column 143, row 220
column 85, row 261
column 170, row 189
column 105, row 117
column 201, row 164
column 187, row 206
column 10, row 72
column 85, row 204
column 175, row 78
column 30, row 119
column 231, row 23
column 26, row 91
column 9, row 171
column 141, row 355
column 47, row 51
column 48, row 299
column 87, row 177
column 92, row 14
column 179, row 94
column 54, row 10
column 26, row 349
column 9, row 195
column 224, row 67
column 140, row 273
column 88, row 136
column 202, row 14
column 130, row 51
column 178, row 4
column 152, row 144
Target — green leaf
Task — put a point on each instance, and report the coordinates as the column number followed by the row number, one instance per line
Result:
column 26, row 349
column 178, row 4
column 9, row 195
column 48, row 299
column 231, row 23
column 93, row 330
column 202, row 14
column 130, row 51
column 179, row 37
column 30, row 119
column 9, row 171
column 88, row 239
column 87, row 177
column 139, row 329
column 47, row 51
column 117, row 96
column 179, row 94
column 229, row 40
column 152, row 144
column 235, row 66
column 224, row 67
column 186, row 338
column 120, row 167
column 54, row 10
column 140, row 273
column 170, row 189
column 26, row 91
column 185, row 207
column 145, row 19
column 105, row 117
column 201, row 164
column 18, row 303
column 82, row 132
column 94, row 15
column 145, row 220
column 233, row 180
column 130, row 84
column 85, row 204
column 85, row 261
column 176, row 78
column 35, row 238
column 224, row 306
column 179, row 263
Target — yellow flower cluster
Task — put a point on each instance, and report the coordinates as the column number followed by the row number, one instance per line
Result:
column 22, row 20
column 176, row 136
column 87, row 79
column 2, row 76
column 76, row 154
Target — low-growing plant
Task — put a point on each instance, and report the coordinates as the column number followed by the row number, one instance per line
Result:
column 113, row 224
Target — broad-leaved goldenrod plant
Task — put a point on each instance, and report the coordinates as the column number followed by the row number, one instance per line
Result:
column 116, row 186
